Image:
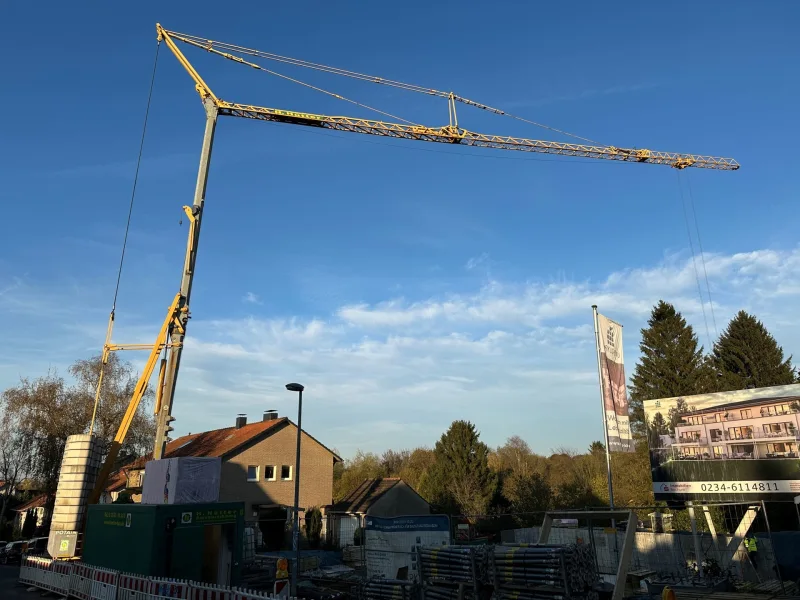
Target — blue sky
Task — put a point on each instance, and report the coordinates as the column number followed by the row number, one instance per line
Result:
column 406, row 284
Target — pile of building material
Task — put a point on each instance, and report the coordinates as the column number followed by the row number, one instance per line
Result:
column 388, row 589
column 451, row 572
column 543, row 572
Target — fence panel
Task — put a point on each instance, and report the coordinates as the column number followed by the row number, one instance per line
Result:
column 104, row 584
column 208, row 591
column 26, row 570
column 80, row 582
column 243, row 594
column 61, row 574
column 133, row 587
column 170, row 588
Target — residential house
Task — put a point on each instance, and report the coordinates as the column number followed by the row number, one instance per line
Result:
column 36, row 508
column 258, row 464
column 381, row 497
column 750, row 429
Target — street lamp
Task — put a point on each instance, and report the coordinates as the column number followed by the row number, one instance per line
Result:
column 296, row 387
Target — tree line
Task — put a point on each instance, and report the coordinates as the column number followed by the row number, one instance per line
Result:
column 461, row 475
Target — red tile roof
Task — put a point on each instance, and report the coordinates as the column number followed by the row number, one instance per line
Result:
column 217, row 442
column 34, row 502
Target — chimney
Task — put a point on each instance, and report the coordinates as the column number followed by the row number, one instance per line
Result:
column 270, row 415
column 241, row 420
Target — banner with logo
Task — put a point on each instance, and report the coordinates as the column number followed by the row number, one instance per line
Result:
column 612, row 380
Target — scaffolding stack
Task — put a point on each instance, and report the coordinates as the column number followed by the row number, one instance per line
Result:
column 452, row 572
column 543, row 572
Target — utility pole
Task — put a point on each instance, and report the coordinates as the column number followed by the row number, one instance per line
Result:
column 164, row 417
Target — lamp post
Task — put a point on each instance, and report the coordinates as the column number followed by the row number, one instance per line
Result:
column 296, row 387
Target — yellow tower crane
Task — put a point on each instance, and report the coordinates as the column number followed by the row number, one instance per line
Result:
column 173, row 330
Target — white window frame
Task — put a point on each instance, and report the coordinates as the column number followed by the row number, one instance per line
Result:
column 291, row 473
column 274, row 473
column 258, row 472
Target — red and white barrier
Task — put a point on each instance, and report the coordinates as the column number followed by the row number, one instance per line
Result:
column 84, row 582
column 61, row 573
column 134, row 587
column 27, row 570
column 169, row 588
column 208, row 591
column 80, row 582
column 104, row 584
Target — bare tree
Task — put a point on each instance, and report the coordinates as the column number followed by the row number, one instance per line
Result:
column 16, row 452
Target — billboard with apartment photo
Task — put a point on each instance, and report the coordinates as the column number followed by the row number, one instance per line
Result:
column 728, row 446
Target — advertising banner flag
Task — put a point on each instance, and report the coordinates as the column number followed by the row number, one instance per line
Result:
column 612, row 381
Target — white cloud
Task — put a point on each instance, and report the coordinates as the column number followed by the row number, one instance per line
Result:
column 513, row 357
column 251, row 298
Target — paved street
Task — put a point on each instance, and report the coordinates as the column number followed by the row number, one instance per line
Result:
column 10, row 589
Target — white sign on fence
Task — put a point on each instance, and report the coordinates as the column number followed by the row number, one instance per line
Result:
column 391, row 543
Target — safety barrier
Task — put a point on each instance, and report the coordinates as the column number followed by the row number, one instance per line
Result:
column 134, row 587
column 169, row 588
column 207, row 591
column 61, row 573
column 85, row 582
column 27, row 570
column 104, row 584
column 80, row 583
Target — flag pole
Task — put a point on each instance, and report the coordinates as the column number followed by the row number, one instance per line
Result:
column 603, row 407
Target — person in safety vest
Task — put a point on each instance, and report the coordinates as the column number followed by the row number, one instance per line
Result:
column 751, row 545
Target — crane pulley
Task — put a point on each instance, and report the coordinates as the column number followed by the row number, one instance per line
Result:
column 171, row 336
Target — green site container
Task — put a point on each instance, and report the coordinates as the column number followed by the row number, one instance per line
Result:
column 202, row 542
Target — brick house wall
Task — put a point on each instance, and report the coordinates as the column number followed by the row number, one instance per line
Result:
column 278, row 449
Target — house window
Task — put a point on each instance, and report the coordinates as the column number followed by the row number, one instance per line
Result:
column 252, row 472
column 269, row 473
column 286, row 473
column 746, row 414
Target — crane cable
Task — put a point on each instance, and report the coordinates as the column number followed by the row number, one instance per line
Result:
column 135, row 180
column 209, row 45
column 694, row 261
column 702, row 254
column 124, row 246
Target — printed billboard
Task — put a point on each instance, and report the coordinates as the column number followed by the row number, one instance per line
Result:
column 727, row 446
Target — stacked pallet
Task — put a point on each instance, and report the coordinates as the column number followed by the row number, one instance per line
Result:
column 543, row 572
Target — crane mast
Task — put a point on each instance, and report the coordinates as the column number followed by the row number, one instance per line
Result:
column 173, row 331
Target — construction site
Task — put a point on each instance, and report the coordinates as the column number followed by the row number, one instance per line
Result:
column 258, row 506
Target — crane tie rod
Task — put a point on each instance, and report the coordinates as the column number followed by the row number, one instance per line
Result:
column 212, row 46
column 242, row 61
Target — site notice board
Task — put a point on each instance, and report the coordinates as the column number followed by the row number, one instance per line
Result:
column 391, row 543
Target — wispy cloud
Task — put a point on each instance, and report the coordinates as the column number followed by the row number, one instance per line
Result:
column 396, row 372
column 477, row 261
column 251, row 298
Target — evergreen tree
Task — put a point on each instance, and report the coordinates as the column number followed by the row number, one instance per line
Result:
column 460, row 480
column 747, row 355
column 672, row 363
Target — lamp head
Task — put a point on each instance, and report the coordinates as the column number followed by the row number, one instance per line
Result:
column 294, row 387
